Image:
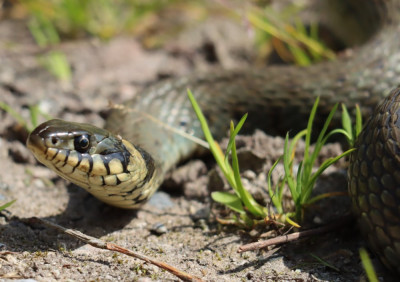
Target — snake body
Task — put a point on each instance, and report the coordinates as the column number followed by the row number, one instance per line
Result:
column 126, row 171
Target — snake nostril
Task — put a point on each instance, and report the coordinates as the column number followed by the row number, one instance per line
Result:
column 54, row 140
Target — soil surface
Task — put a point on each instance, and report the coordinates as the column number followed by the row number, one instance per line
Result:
column 190, row 238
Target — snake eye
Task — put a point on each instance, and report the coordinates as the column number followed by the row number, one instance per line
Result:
column 82, row 143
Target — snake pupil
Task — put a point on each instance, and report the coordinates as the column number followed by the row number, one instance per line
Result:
column 81, row 143
column 54, row 140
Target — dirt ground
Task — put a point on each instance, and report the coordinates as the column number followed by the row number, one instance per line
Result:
column 193, row 242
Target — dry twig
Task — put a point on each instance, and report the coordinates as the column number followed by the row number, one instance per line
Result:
column 294, row 236
column 113, row 247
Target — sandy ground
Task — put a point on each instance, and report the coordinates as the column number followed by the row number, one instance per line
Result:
column 194, row 241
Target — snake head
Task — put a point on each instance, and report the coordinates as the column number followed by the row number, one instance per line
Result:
column 57, row 139
column 107, row 166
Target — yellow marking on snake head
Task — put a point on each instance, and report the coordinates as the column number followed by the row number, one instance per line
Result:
column 115, row 166
column 84, row 165
column 73, row 159
column 123, row 177
column 81, row 176
column 95, row 180
column 66, row 169
column 110, row 180
column 61, row 156
column 98, row 166
column 51, row 152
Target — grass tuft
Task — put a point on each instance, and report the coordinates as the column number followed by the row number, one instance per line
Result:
column 300, row 182
column 292, row 42
column 241, row 201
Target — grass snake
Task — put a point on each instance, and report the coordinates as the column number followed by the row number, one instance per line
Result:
column 125, row 172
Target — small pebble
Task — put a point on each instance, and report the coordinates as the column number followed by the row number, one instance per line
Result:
column 161, row 200
column 159, row 228
column 203, row 213
column 249, row 174
column 4, row 186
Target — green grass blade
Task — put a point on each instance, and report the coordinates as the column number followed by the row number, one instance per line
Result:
column 309, row 131
column 300, row 56
column 233, row 135
column 6, row 205
column 299, row 176
column 325, row 263
column 347, row 125
column 15, row 115
column 326, row 124
column 346, row 120
column 321, row 141
column 324, row 196
column 244, row 195
column 294, row 142
column 359, row 122
column 320, row 170
column 368, row 267
column 275, row 196
column 287, row 167
column 290, row 221
column 217, row 153
column 336, row 131
column 57, row 64
column 230, row 200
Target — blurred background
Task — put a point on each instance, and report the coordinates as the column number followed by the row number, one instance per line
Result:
column 278, row 30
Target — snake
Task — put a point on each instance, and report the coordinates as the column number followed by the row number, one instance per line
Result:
column 125, row 163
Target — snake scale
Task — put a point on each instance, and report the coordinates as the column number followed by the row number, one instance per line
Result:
column 125, row 172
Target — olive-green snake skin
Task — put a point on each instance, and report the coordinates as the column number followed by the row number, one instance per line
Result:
column 125, row 175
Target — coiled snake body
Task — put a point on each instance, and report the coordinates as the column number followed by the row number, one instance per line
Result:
column 125, row 174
